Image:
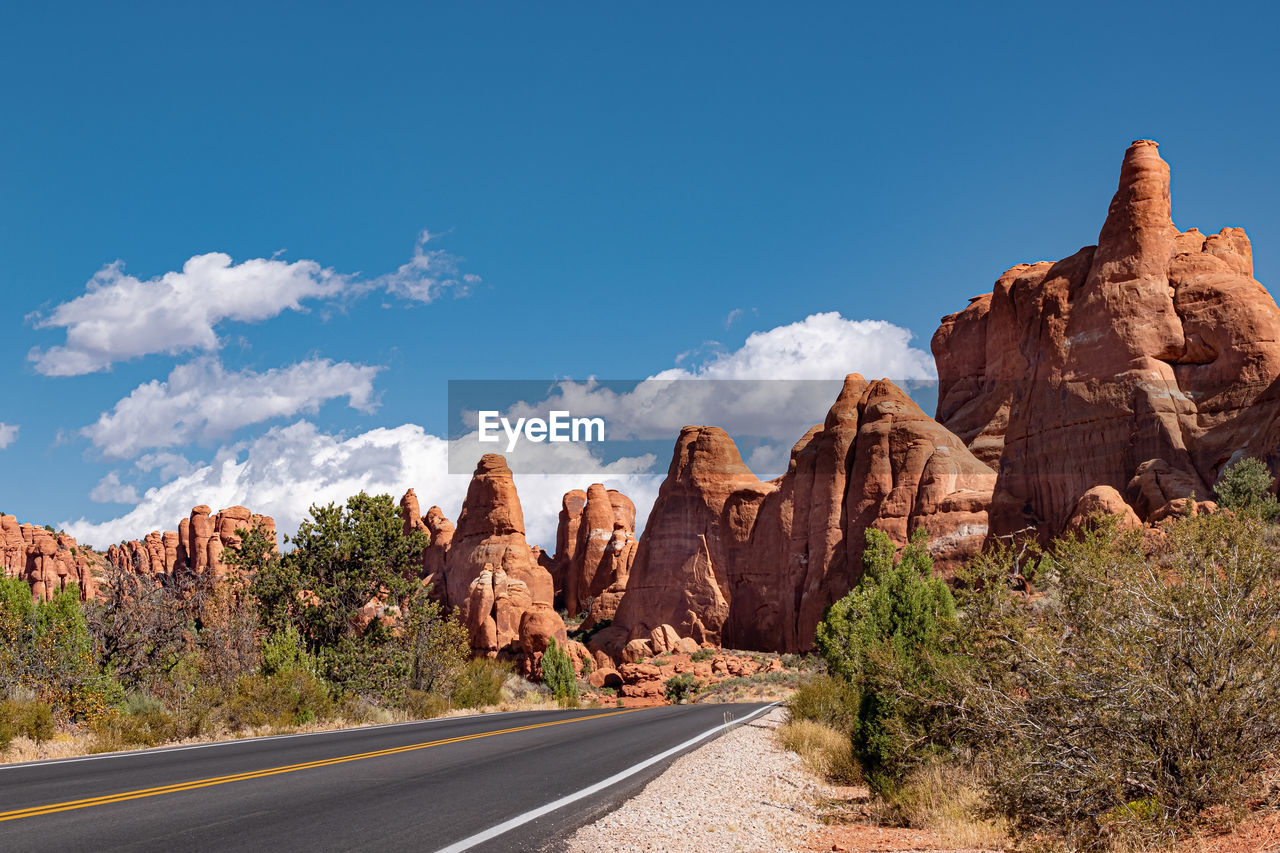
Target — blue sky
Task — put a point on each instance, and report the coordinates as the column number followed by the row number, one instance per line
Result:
column 608, row 191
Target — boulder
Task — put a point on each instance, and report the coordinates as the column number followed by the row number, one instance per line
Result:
column 1102, row 501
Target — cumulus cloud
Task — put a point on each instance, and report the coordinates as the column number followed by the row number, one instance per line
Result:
column 821, row 346
column 111, row 490
column 121, row 317
column 288, row 468
column 202, row 401
column 8, row 434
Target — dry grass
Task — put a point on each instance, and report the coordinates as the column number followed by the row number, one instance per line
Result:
column 949, row 801
column 825, row 751
column 517, row 695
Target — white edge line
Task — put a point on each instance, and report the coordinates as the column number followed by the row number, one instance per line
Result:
column 165, row 749
column 519, row 820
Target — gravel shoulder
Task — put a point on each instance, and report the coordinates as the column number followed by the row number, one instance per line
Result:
column 739, row 792
column 742, row 792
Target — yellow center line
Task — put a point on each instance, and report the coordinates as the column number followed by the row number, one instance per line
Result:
column 107, row 799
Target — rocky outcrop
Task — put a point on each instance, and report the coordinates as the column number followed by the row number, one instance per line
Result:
column 50, row 562
column 1146, row 364
column 491, row 573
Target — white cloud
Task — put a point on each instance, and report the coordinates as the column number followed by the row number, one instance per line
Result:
column 111, row 490
column 821, row 346
column 120, row 317
column 201, row 400
column 8, row 434
column 427, row 275
column 169, row 464
column 285, row 470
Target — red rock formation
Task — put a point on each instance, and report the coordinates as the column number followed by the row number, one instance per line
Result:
column 441, row 531
column 681, row 576
column 490, row 570
column 409, row 513
column 201, row 528
column 728, row 560
column 604, row 525
column 49, row 562
column 166, row 553
column 571, row 506
column 1146, row 364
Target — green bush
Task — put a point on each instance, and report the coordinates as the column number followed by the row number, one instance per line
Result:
column 680, row 688
column 824, row 699
column 558, row 675
column 1246, row 486
column 890, row 638
column 281, row 700
column 703, row 654
column 479, row 685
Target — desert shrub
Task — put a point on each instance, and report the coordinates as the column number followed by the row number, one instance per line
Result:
column 437, row 645
column 1145, row 691
column 479, row 684
column 146, row 724
column 1246, row 486
column 421, row 705
column 558, row 675
column 25, row 717
column 520, row 691
column 703, row 654
column 680, row 688
column 826, row 751
column 281, row 700
column 827, row 700
column 891, row 639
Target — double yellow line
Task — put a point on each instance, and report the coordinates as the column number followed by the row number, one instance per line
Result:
column 142, row 793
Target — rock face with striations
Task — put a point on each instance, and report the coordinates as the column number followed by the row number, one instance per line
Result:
column 1146, row 364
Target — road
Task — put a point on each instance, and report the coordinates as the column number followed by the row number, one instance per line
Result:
column 495, row 782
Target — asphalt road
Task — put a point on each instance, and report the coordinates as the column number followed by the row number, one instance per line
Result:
column 488, row 783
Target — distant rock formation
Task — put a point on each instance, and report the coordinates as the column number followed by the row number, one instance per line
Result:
column 50, row 562
column 197, row 545
column 1145, row 364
